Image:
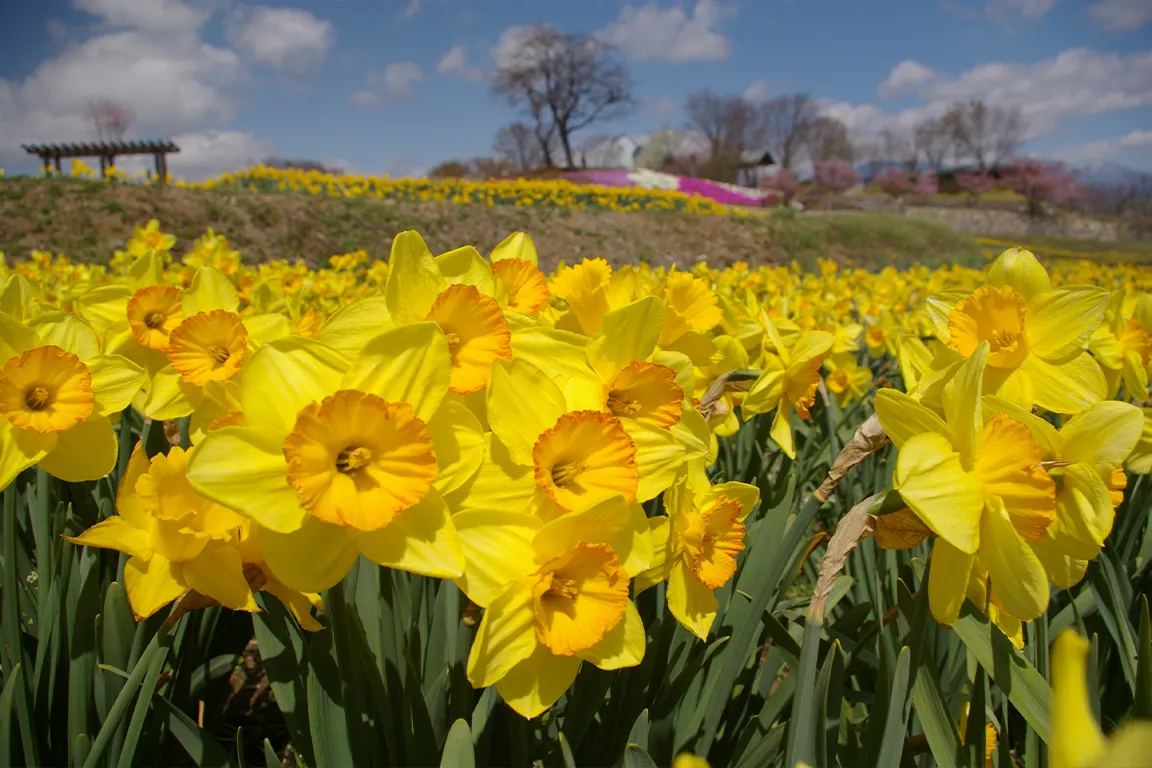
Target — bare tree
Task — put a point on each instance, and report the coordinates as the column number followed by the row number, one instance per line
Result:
column 730, row 124
column 871, row 154
column 565, row 82
column 787, row 120
column 989, row 135
column 827, row 139
column 516, row 145
column 899, row 149
column 933, row 139
column 109, row 119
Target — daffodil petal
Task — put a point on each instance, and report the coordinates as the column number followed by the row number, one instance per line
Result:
column 622, row 646
column 1060, row 322
column 506, row 636
column 422, row 539
column 555, row 352
column 151, row 584
column 1020, row 269
column 765, row 393
column 170, row 397
column 1076, row 738
column 658, row 530
column 410, row 364
column 414, row 281
column 310, row 559
column 1103, row 435
column 497, row 549
column 659, row 456
column 902, row 417
column 692, row 603
column 20, row 449
column 219, row 573
column 522, row 404
column 238, row 468
column 284, row 376
column 948, row 583
column 458, row 442
column 1018, row 577
column 1084, row 512
column 935, row 485
column 629, row 333
column 115, row 381
column 538, row 682
column 465, row 266
column 355, row 324
column 210, row 289
column 781, row 430
column 115, row 533
column 611, row 521
column 1067, row 387
column 1063, row 570
column 962, row 405
column 85, row 452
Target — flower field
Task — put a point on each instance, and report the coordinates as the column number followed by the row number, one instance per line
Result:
column 476, row 514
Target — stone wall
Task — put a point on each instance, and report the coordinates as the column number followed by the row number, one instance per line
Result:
column 980, row 221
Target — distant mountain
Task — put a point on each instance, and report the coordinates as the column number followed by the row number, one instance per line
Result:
column 1108, row 174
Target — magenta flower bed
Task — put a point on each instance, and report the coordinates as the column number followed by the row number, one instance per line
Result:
column 721, row 193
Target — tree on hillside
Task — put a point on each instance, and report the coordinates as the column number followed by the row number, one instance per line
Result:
column 109, row 119
column 787, row 120
column 451, row 169
column 516, row 145
column 835, row 175
column 988, row 135
column 871, row 156
column 894, row 181
column 784, row 182
column 1041, row 182
column 659, row 152
column 898, row 149
column 564, row 82
column 975, row 184
column 933, row 139
column 927, row 184
column 730, row 124
column 826, row 138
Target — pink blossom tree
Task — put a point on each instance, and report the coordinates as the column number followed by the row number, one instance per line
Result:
column 894, row 181
column 784, row 182
column 109, row 119
column 835, row 175
column 1041, row 182
column 975, row 184
column 927, row 184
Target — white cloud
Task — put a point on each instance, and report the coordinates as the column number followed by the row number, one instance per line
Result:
column 455, row 62
column 387, row 86
column 204, row 154
column 1096, row 151
column 758, row 91
column 904, row 77
column 1074, row 83
column 288, row 39
column 663, row 107
column 650, row 32
column 151, row 15
column 412, row 8
column 1029, row 9
column 1122, row 15
column 508, row 46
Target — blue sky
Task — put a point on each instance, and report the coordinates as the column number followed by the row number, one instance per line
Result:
column 398, row 85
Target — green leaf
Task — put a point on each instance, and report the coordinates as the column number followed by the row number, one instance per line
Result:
column 566, row 751
column 458, row 749
column 636, row 757
column 327, row 719
column 200, row 746
column 639, row 733
column 831, row 689
column 282, row 650
column 802, row 732
column 1142, row 707
column 160, row 642
column 937, row 724
column 1012, row 673
column 143, row 702
column 1110, row 594
column 271, row 759
column 11, row 683
column 974, row 734
column 896, row 723
column 119, row 628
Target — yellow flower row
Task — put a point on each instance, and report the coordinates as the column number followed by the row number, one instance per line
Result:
column 467, row 417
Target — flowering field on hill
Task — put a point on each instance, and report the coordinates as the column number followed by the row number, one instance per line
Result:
column 477, row 514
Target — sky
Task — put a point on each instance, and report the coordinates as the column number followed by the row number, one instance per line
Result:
column 396, row 86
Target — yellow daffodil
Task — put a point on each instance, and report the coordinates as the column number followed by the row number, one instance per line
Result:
column 847, row 380
column 57, row 394
column 978, row 484
column 515, row 265
column 1077, row 741
column 789, row 381
column 1140, row 460
column 695, row 546
column 591, row 290
column 1085, row 457
column 1036, row 335
column 1123, row 345
column 555, row 594
column 336, row 458
column 150, row 238
column 551, row 459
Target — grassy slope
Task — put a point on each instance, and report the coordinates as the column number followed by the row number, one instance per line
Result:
column 87, row 221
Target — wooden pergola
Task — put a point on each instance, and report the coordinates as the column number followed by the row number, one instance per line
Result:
column 51, row 154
